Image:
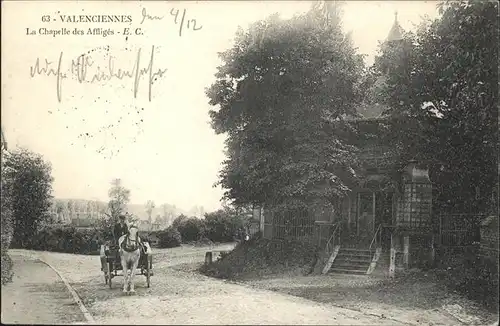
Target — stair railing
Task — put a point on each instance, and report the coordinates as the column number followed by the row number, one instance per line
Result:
column 377, row 237
column 332, row 240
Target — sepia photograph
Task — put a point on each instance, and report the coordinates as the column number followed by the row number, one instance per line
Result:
column 250, row 162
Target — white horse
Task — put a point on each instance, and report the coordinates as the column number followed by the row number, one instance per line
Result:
column 130, row 253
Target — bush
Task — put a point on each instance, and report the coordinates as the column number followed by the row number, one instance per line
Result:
column 6, row 268
column 66, row 239
column 169, row 238
column 227, row 224
column 7, row 228
column 7, row 222
column 191, row 229
column 221, row 226
column 179, row 220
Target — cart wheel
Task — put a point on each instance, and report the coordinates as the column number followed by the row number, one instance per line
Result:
column 110, row 273
column 148, row 275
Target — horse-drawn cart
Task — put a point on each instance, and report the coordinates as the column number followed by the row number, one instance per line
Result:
column 111, row 263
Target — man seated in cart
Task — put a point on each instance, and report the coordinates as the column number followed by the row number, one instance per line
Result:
column 122, row 228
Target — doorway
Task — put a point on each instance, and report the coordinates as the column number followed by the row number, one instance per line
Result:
column 384, row 215
column 366, row 217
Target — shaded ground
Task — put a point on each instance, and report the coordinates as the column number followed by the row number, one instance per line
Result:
column 37, row 295
column 414, row 298
column 180, row 295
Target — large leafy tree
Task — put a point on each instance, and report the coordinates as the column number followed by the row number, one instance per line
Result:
column 119, row 197
column 442, row 84
column 27, row 181
column 283, row 89
column 329, row 11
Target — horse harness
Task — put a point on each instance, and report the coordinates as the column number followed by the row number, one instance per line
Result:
column 126, row 241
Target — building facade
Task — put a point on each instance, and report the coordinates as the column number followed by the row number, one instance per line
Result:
column 387, row 214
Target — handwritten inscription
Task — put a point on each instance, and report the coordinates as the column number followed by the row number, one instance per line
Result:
column 49, row 70
column 81, row 69
column 145, row 16
column 183, row 21
column 180, row 18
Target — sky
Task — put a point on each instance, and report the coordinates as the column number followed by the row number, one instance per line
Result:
column 164, row 149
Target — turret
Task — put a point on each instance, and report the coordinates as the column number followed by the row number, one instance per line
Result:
column 396, row 32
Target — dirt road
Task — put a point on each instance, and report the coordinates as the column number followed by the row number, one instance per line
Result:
column 37, row 296
column 180, row 296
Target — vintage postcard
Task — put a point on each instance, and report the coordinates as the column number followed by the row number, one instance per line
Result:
column 249, row 162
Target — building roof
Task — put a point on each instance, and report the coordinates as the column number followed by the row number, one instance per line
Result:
column 396, row 32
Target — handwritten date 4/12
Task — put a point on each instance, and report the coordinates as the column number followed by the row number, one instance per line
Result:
column 183, row 21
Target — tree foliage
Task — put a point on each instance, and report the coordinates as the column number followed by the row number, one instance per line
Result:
column 281, row 89
column 28, row 183
column 191, row 229
column 329, row 12
column 169, row 238
column 179, row 220
column 119, row 197
column 222, row 225
column 442, row 81
column 150, row 205
column 6, row 212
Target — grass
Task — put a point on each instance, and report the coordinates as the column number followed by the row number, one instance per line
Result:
column 260, row 257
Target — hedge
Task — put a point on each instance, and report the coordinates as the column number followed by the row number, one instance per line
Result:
column 66, row 239
column 169, row 238
column 7, row 230
column 191, row 229
column 6, row 268
column 220, row 227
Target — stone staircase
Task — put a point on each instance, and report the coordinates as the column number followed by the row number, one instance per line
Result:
column 352, row 261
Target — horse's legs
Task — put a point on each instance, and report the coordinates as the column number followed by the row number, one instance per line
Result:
column 135, row 263
column 125, row 274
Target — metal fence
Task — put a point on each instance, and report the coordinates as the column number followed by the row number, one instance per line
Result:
column 459, row 230
column 293, row 223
